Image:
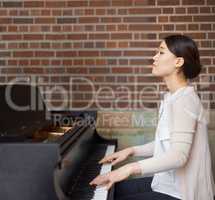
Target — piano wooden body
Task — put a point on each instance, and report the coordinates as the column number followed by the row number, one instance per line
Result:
column 44, row 158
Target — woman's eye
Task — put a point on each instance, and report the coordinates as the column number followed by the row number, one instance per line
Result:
column 161, row 52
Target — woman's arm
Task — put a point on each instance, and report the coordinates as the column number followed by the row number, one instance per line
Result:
column 182, row 134
column 145, row 150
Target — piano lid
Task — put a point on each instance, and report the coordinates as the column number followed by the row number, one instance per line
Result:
column 23, row 110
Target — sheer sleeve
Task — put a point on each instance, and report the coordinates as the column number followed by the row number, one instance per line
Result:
column 182, row 133
column 145, row 150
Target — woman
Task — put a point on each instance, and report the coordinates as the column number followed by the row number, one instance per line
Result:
column 179, row 155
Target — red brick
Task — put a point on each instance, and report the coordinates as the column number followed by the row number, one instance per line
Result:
column 99, row 36
column 144, row 3
column 180, row 10
column 192, row 10
column 111, row 11
column 205, row 18
column 168, row 27
column 24, row 13
column 206, row 44
column 107, row 45
column 111, row 53
column 5, row 54
column 137, row 11
column 180, row 27
column 111, row 27
column 88, row 53
column 45, row 20
column 167, row 2
column 4, row 20
column 66, row 54
column 205, row 10
column 65, row 62
column 197, row 35
column 206, row 61
column 207, row 52
column 23, row 54
column 44, row 54
column 66, row 20
column 3, row 12
column 122, row 70
column 122, row 11
column 167, row 10
column 163, row 19
column 32, row 4
column 139, row 61
column 98, row 28
column 34, row 45
column 122, row 3
column 146, row 44
column 55, row 13
column 110, row 19
column 191, row 2
column 55, row 37
column 123, row 45
column 77, row 36
column 99, row 70
column 12, row 4
column 77, row 3
column 121, row 36
column 210, row 2
column 100, row 11
column 55, row 4
column 23, row 20
column 33, row 37
column 181, row 19
column 194, row 27
column 11, row 37
column 139, row 19
column 101, row 3
column 211, row 35
column 88, row 20
column 89, row 11
column 144, row 27
column 205, row 27
column 13, row 62
column 138, row 53
column 34, row 62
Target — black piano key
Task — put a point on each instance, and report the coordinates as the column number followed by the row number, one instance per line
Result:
column 80, row 188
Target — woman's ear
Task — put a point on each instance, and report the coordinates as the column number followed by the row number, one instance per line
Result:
column 179, row 62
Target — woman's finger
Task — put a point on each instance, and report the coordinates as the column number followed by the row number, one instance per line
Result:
column 109, row 185
column 106, row 159
column 99, row 180
column 114, row 162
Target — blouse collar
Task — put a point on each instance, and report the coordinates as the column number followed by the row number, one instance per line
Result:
column 178, row 93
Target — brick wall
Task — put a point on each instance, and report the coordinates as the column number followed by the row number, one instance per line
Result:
column 97, row 53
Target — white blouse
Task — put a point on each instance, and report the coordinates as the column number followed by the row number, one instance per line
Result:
column 180, row 160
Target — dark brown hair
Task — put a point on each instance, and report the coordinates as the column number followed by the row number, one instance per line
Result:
column 183, row 46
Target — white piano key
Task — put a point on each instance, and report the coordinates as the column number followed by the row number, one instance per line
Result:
column 101, row 192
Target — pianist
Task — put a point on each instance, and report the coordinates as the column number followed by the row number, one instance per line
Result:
column 179, row 157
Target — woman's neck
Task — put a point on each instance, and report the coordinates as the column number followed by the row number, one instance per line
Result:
column 175, row 82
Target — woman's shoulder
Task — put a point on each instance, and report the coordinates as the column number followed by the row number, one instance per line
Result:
column 188, row 101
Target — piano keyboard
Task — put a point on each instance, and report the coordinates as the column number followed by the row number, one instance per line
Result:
column 80, row 188
column 101, row 193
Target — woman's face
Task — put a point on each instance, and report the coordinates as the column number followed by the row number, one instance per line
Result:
column 164, row 62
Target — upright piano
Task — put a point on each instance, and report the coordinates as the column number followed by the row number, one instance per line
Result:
column 48, row 155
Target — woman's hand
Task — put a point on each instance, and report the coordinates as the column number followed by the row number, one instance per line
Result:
column 107, row 180
column 117, row 156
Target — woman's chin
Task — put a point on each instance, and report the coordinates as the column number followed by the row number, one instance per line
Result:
column 154, row 72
